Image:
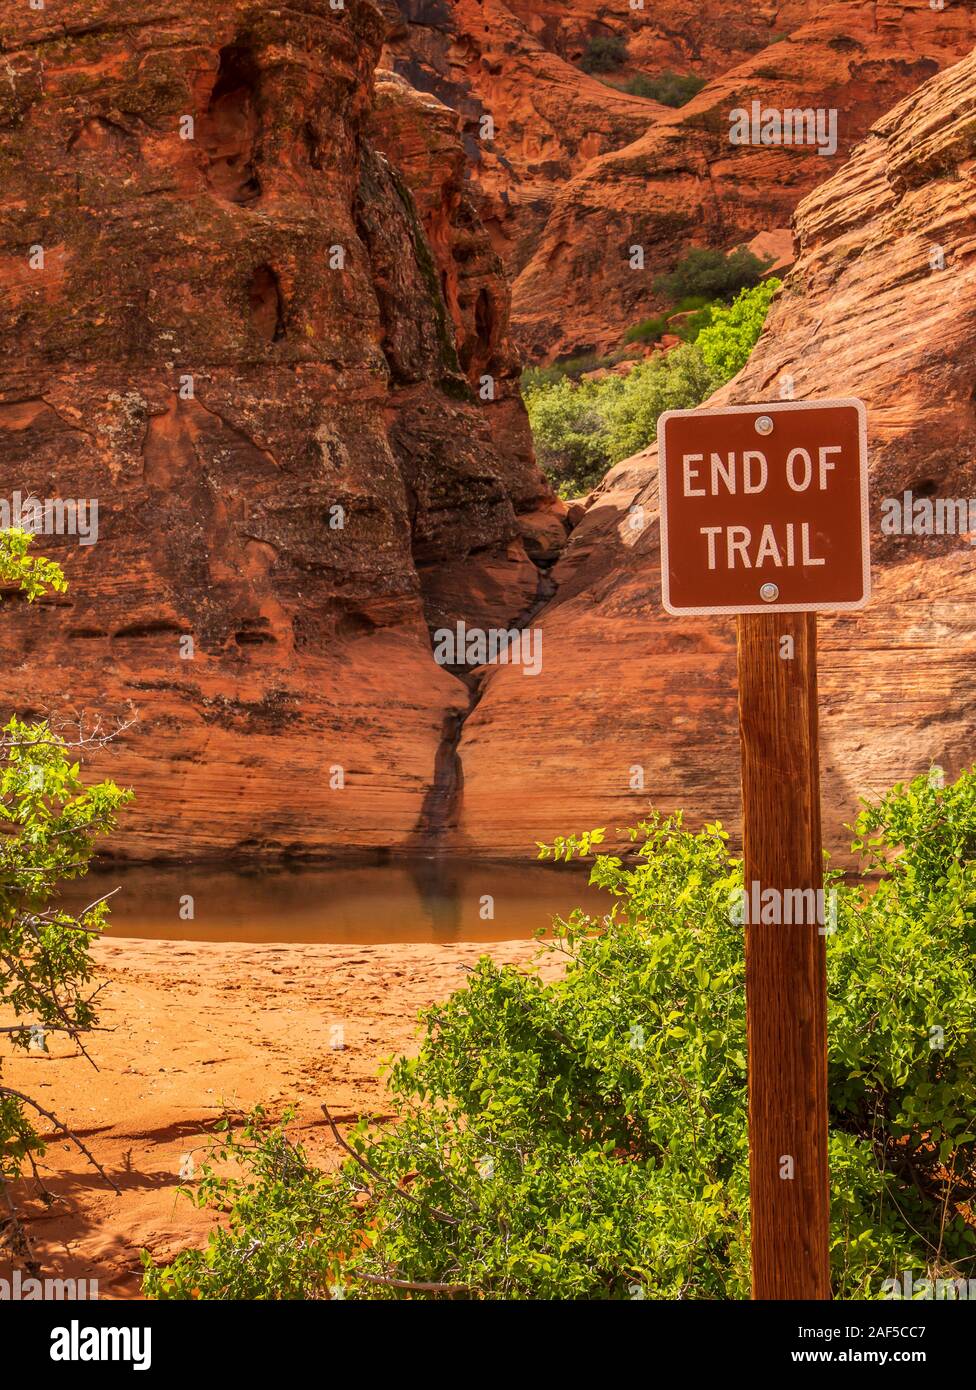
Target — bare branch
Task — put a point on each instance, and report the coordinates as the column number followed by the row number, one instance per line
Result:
column 418, row 1286
column 435, row 1212
column 59, row 1124
column 54, row 1028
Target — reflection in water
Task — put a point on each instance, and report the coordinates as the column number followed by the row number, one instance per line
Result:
column 439, row 892
column 411, row 900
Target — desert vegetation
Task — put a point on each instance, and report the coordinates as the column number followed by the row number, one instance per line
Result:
column 586, row 417
column 669, row 88
column 51, row 822
column 586, row 1138
column 604, row 53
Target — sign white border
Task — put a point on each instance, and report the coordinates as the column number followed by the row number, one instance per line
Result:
column 766, row 408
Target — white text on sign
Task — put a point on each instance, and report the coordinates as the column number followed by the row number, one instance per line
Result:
column 784, row 545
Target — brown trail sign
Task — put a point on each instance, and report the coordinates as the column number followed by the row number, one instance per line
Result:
column 764, row 513
column 763, row 498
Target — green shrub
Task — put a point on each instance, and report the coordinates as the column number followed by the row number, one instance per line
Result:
column 534, row 377
column 677, row 380
column 703, row 271
column 569, row 431
column 670, row 88
column 692, row 326
column 700, row 310
column 33, row 575
column 580, row 430
column 689, row 302
column 586, row 1138
column 571, row 368
column 604, row 53
column 51, row 822
column 727, row 337
column 647, row 331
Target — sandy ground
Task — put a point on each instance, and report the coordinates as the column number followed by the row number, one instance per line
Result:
column 195, row 1026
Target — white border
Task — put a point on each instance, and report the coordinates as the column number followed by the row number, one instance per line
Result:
column 767, row 408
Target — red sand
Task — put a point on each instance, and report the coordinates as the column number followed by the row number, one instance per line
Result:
column 195, row 1026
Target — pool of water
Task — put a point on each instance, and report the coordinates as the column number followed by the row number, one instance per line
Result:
column 423, row 900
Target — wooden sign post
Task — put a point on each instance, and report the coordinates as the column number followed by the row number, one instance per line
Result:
column 764, row 514
column 786, row 966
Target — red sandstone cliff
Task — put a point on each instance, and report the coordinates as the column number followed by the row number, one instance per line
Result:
column 518, row 64
column 682, row 182
column 547, row 117
column 867, row 312
column 238, row 340
column 573, row 172
column 248, row 348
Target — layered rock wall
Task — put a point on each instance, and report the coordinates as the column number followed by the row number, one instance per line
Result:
column 682, row 183
column 224, row 320
column 880, row 305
